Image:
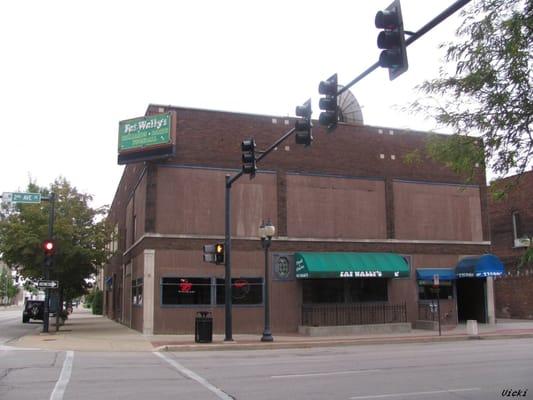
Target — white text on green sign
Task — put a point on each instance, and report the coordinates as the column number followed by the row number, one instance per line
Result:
column 34, row 198
column 138, row 133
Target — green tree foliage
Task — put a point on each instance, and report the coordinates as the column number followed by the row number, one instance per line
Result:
column 97, row 303
column 8, row 289
column 80, row 235
column 487, row 89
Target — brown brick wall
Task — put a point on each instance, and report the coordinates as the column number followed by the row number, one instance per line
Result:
column 519, row 198
column 212, row 139
column 514, row 297
column 514, row 293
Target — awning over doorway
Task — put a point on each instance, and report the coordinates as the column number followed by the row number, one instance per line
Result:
column 479, row 267
column 426, row 274
column 350, row 265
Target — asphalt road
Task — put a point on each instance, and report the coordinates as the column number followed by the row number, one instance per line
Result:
column 11, row 326
column 476, row 369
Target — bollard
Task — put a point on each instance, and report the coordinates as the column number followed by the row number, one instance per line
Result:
column 471, row 327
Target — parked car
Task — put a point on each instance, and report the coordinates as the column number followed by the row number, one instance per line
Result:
column 34, row 309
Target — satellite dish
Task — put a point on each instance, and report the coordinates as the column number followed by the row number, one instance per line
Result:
column 349, row 108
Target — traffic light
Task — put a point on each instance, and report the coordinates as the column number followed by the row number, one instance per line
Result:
column 392, row 40
column 303, row 126
column 248, row 157
column 328, row 103
column 219, row 253
column 49, row 248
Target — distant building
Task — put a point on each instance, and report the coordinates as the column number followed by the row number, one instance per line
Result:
column 511, row 221
column 369, row 232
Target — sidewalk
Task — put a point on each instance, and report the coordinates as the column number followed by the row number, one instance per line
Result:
column 86, row 332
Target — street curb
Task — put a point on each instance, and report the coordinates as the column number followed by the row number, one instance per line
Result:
column 336, row 343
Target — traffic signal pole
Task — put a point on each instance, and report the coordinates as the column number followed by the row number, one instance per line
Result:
column 46, row 308
column 227, row 241
column 413, row 37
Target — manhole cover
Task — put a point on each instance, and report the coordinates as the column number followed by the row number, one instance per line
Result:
column 48, row 340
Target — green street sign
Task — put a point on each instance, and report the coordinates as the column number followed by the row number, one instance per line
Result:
column 31, row 198
column 138, row 133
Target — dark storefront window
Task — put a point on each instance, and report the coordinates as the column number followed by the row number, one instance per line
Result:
column 137, row 291
column 426, row 292
column 182, row 291
column 344, row 290
column 243, row 291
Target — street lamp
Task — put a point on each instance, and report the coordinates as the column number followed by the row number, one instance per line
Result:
column 266, row 231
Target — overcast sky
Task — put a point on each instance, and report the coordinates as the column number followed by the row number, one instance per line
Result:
column 71, row 70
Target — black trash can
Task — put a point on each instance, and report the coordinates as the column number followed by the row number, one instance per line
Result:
column 203, row 327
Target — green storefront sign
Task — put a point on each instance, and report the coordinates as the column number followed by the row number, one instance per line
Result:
column 138, row 133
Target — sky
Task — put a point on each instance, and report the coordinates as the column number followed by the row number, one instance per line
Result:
column 71, row 70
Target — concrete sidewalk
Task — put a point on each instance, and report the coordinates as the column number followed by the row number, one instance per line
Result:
column 86, row 332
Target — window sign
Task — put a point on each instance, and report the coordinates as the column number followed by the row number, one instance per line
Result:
column 243, row 291
column 185, row 291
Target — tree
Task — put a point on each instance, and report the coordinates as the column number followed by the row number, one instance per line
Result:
column 489, row 93
column 80, row 234
column 8, row 289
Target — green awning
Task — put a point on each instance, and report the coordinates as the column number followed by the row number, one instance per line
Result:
column 350, row 265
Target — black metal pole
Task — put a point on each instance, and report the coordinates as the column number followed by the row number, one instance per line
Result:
column 437, row 20
column 267, row 334
column 275, row 144
column 46, row 310
column 422, row 31
column 227, row 273
column 438, row 308
column 227, row 238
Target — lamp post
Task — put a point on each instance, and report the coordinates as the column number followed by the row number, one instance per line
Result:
column 266, row 231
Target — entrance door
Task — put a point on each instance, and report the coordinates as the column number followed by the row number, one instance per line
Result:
column 471, row 299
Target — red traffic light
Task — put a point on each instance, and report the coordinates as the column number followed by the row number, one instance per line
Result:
column 48, row 247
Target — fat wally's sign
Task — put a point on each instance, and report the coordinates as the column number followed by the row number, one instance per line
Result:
column 138, row 133
column 145, row 138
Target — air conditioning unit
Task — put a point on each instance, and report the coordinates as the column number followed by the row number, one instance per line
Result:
column 522, row 242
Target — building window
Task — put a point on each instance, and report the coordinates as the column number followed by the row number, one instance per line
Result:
column 427, row 291
column 134, row 229
column 344, row 290
column 137, row 292
column 114, row 240
column 185, row 291
column 243, row 291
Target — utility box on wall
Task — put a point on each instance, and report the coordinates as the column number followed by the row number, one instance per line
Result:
column 283, row 267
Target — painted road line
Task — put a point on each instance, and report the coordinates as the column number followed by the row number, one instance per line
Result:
column 190, row 374
column 359, row 371
column 384, row 396
column 64, row 377
column 11, row 348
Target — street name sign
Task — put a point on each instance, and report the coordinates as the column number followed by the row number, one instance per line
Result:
column 28, row 198
column 139, row 133
column 47, row 284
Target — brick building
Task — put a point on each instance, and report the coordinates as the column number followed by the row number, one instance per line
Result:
column 512, row 231
column 368, row 230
